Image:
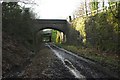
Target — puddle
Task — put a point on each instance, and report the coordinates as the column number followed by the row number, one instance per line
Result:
column 68, row 64
column 73, row 70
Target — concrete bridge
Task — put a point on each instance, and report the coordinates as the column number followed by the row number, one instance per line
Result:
column 56, row 24
column 60, row 25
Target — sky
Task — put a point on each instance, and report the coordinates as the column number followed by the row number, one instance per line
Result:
column 55, row 9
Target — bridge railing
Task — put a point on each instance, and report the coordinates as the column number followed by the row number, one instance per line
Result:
column 92, row 13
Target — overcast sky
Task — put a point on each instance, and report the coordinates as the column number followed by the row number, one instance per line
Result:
column 55, row 9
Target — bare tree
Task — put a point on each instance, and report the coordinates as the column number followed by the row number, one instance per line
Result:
column 86, row 7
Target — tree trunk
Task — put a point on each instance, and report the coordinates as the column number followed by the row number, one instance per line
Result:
column 85, row 7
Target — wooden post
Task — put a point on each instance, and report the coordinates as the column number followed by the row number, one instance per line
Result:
column 70, row 19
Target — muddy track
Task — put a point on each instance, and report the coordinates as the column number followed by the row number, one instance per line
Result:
column 84, row 67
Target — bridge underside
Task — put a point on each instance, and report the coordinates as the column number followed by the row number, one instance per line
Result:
column 60, row 25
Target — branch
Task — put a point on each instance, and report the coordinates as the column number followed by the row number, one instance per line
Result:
column 28, row 2
column 113, row 13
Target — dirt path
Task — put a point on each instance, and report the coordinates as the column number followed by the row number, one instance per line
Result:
column 45, row 64
column 39, row 63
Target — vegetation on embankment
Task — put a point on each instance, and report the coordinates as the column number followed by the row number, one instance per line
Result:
column 16, row 21
column 100, row 31
column 16, row 37
column 14, row 54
